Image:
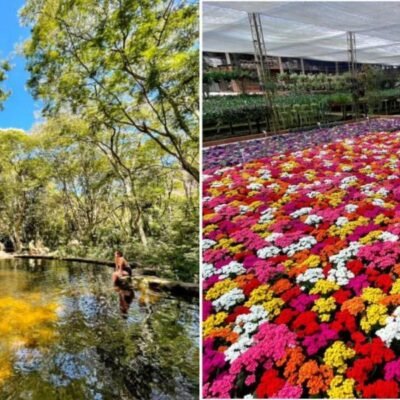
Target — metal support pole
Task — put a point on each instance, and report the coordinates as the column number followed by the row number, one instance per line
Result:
column 260, row 54
column 352, row 57
column 228, row 59
column 280, row 65
column 302, row 66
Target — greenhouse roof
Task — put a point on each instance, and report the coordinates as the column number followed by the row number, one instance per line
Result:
column 314, row 30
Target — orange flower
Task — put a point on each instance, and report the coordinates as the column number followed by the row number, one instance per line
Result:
column 281, row 286
column 292, row 360
column 353, row 306
column 393, row 299
column 316, row 378
column 224, row 333
column 242, row 280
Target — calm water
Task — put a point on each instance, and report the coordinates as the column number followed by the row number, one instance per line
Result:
column 66, row 333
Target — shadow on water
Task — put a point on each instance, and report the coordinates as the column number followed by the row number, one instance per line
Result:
column 74, row 336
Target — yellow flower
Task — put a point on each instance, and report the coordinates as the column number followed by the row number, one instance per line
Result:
column 273, row 306
column 336, row 356
column 209, row 216
column 371, row 237
column 259, row 295
column 381, row 218
column 396, row 287
column 324, row 286
column 341, row 388
column 212, row 322
column 312, row 261
column 210, row 228
column 220, row 288
column 348, row 228
column 324, row 307
column 376, row 314
column 372, row 295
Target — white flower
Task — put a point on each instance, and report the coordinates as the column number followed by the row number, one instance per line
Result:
column 264, row 174
column 255, row 186
column 273, row 236
column 341, row 275
column 306, row 242
column 208, row 243
column 220, row 207
column 268, row 251
column 311, row 275
column 341, row 221
column 347, row 182
column 243, row 209
column 208, row 270
column 313, row 219
column 233, row 268
column 392, row 177
column 291, row 189
column 229, row 299
column 392, row 329
column 378, row 202
column 267, row 215
column 312, row 194
column 238, row 348
column 345, row 254
column 388, row 237
column 222, row 170
column 300, row 212
column 383, row 192
column 350, row 207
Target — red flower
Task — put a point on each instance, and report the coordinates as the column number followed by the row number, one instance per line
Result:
column 306, row 324
column 376, row 350
column 355, row 266
column 239, row 310
column 384, row 282
column 342, row 295
column 381, row 389
column 250, row 286
column 286, row 316
column 270, row 384
column 290, row 294
column 344, row 322
column 360, row 370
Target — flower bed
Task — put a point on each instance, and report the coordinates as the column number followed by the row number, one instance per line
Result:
column 301, row 274
column 236, row 153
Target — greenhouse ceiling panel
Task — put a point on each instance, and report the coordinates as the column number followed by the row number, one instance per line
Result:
column 314, row 30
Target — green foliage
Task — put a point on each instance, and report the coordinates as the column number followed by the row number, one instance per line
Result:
column 121, row 64
column 4, row 94
column 61, row 187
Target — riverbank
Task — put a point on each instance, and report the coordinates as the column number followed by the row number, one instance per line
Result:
column 141, row 275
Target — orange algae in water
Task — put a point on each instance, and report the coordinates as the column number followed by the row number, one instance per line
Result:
column 26, row 321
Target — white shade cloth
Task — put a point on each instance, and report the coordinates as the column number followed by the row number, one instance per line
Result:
column 314, row 30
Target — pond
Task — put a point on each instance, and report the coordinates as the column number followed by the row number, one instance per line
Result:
column 66, row 333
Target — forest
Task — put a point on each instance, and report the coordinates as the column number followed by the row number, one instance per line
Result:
column 112, row 163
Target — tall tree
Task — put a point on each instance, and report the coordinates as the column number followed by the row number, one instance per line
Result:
column 4, row 94
column 129, row 65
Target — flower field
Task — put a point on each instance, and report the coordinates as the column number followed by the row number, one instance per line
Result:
column 235, row 153
column 301, row 273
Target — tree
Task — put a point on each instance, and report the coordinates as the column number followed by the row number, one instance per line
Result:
column 4, row 68
column 123, row 65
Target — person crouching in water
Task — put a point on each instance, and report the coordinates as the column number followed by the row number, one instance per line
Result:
column 122, row 268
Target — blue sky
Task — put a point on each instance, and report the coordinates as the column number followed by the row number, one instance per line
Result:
column 19, row 108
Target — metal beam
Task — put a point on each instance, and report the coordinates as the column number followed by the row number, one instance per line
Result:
column 260, row 54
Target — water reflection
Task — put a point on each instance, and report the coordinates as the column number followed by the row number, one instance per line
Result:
column 126, row 296
column 149, row 353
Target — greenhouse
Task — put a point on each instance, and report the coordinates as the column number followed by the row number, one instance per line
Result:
column 301, row 200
